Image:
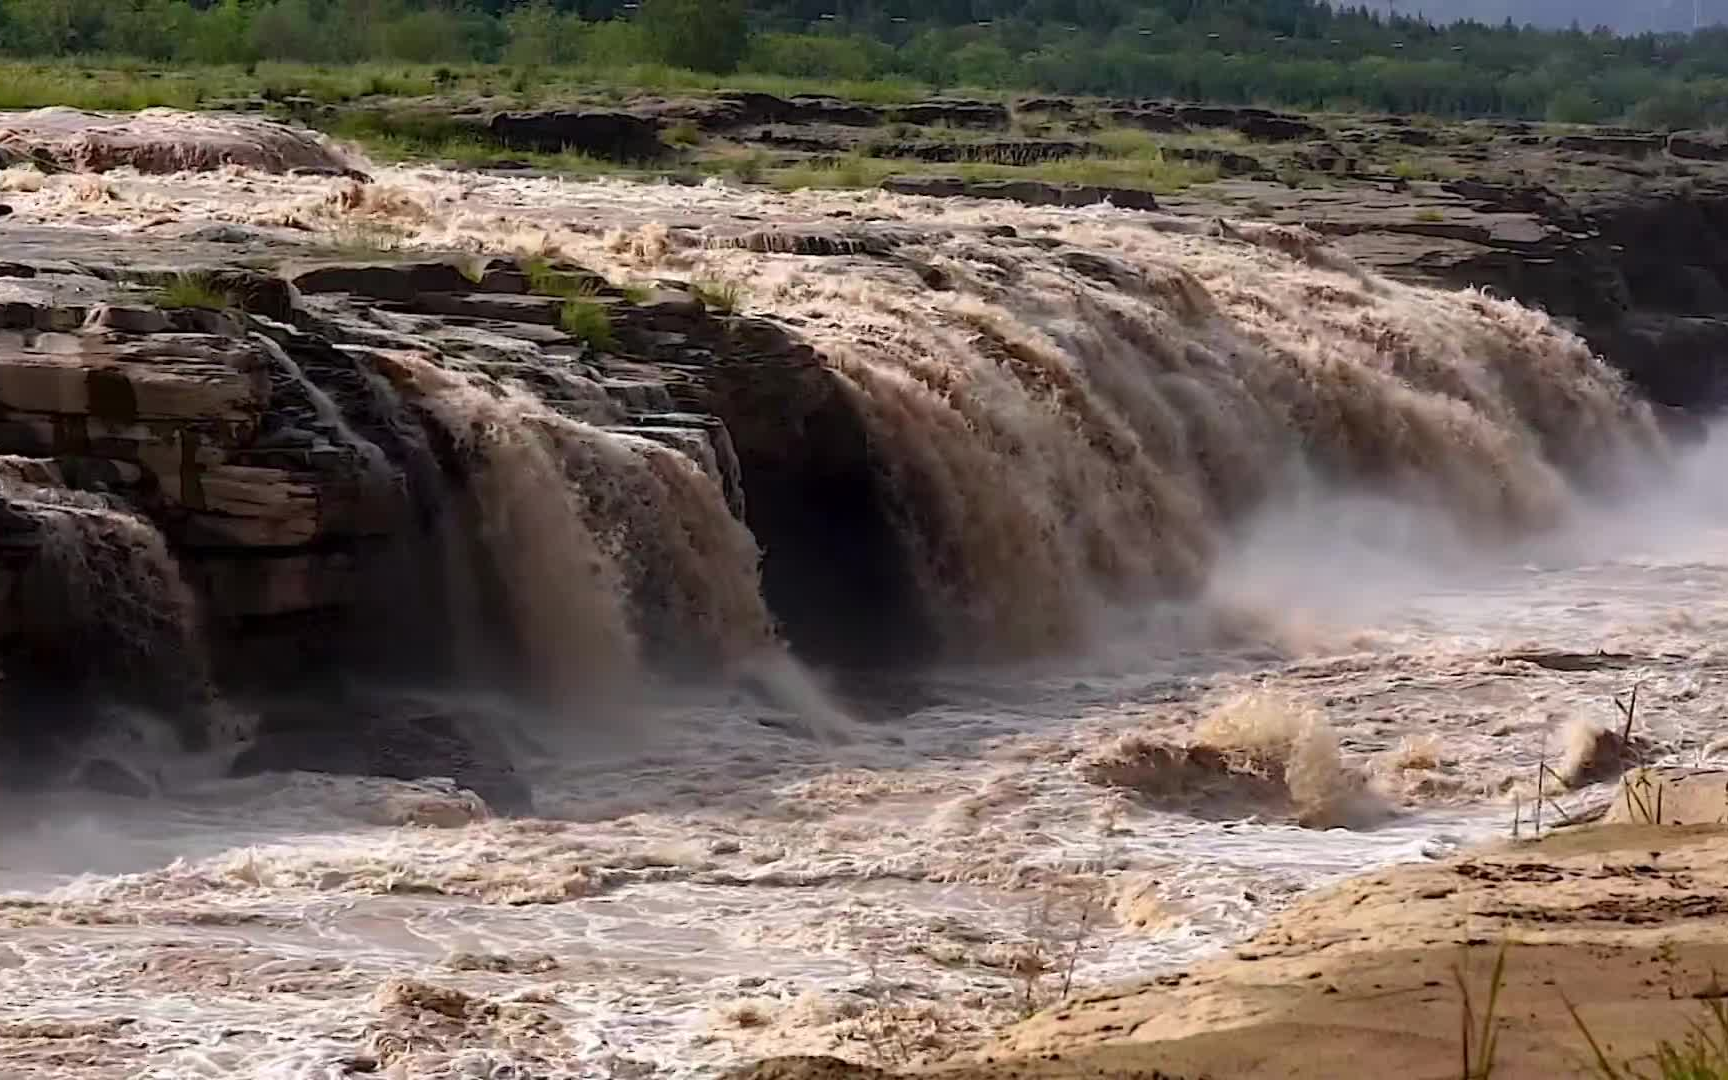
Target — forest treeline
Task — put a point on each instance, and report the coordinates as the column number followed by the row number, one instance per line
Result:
column 1287, row 52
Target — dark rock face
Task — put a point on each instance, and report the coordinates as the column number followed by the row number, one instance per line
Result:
column 1698, row 145
column 312, row 513
column 1630, row 146
column 1640, row 271
column 618, row 136
column 1029, row 192
column 727, row 111
column 388, row 739
column 1255, row 123
column 1228, row 162
column 982, row 115
column 991, row 151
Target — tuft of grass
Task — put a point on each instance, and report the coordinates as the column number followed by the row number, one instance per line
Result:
column 724, row 297
column 1430, row 216
column 193, row 290
column 636, row 292
column 1702, row 1055
column 587, row 320
column 544, row 279
column 1479, row 1044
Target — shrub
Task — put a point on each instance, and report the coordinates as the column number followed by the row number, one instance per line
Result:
column 588, row 320
column 702, row 35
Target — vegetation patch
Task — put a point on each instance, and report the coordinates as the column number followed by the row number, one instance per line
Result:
column 589, row 321
column 193, row 290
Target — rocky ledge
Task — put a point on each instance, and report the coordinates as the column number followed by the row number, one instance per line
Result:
column 1618, row 232
column 253, row 498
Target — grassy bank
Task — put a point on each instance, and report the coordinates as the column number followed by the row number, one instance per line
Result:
column 119, row 84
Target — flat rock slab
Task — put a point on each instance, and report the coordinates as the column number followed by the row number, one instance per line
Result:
column 163, row 141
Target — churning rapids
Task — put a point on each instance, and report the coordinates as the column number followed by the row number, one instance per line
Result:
column 1246, row 570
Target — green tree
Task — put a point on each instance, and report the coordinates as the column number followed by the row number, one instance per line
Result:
column 222, row 34
column 1574, row 105
column 538, row 34
column 291, row 30
column 703, row 35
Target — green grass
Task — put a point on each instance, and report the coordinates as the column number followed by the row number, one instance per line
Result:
column 588, row 320
column 1430, row 216
column 544, row 279
column 1426, row 169
column 1135, row 142
column 125, row 85
column 851, row 171
column 193, row 290
column 33, row 86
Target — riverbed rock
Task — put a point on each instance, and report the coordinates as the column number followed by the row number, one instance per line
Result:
column 393, row 739
column 163, row 141
column 953, row 113
column 605, row 133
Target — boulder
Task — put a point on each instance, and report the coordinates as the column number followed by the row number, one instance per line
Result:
column 616, row 136
column 401, row 282
column 163, row 141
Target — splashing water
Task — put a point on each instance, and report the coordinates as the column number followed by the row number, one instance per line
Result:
column 1097, row 410
column 589, row 528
